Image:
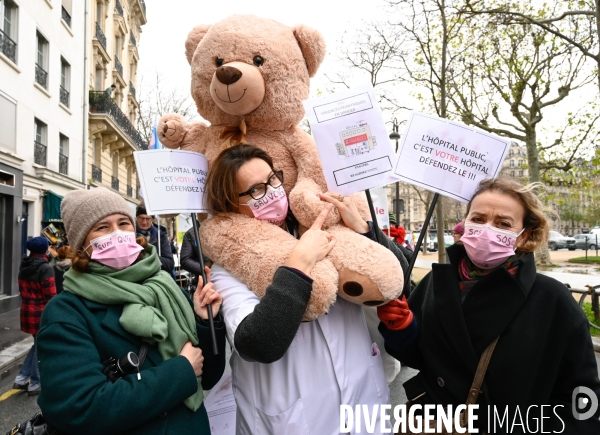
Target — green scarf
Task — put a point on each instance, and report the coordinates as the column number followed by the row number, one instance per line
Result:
column 155, row 309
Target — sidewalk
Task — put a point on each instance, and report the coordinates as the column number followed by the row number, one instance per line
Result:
column 12, row 354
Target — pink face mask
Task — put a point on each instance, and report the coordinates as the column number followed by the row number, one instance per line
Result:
column 488, row 246
column 116, row 250
column 273, row 207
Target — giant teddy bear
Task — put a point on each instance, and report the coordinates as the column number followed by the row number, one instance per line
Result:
column 249, row 78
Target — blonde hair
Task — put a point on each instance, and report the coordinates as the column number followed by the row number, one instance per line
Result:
column 535, row 218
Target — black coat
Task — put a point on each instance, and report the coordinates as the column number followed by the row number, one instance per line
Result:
column 544, row 352
column 167, row 263
column 189, row 254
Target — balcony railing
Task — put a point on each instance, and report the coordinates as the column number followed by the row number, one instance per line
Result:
column 64, row 96
column 66, row 17
column 118, row 66
column 129, row 191
column 100, row 35
column 39, row 153
column 100, row 102
column 96, row 173
column 63, row 164
column 119, row 7
column 132, row 39
column 114, row 182
column 41, row 76
column 8, row 46
column 131, row 89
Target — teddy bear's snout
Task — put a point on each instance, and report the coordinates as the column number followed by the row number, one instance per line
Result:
column 228, row 74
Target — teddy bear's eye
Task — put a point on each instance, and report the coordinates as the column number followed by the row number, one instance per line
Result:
column 258, row 61
column 219, row 61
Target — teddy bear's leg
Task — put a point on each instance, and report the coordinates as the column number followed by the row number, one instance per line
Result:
column 369, row 273
column 252, row 250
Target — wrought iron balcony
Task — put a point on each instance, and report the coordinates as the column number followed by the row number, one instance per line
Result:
column 64, row 96
column 100, row 35
column 132, row 39
column 119, row 7
column 41, row 76
column 63, row 164
column 114, row 182
column 129, row 191
column 100, row 102
column 96, row 173
column 39, row 153
column 8, row 46
column 118, row 66
column 66, row 17
column 131, row 89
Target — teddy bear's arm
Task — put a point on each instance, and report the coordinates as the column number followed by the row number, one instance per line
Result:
column 175, row 132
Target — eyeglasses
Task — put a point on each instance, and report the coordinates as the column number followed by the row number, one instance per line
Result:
column 259, row 190
column 144, row 219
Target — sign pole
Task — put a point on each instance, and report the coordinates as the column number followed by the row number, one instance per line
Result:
column 211, row 322
column 411, row 264
column 373, row 216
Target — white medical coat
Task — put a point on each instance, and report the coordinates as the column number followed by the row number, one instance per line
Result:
column 330, row 362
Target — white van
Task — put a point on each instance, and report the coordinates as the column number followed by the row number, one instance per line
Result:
column 595, row 231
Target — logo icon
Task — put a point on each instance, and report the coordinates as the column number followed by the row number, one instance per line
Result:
column 585, row 403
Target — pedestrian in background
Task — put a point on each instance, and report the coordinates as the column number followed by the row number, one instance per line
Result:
column 189, row 254
column 149, row 230
column 458, row 231
column 37, row 287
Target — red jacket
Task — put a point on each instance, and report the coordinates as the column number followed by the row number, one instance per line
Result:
column 37, row 287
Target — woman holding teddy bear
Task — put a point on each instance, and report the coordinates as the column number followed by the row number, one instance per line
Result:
column 288, row 373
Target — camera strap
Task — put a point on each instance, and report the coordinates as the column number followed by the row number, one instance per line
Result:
column 142, row 358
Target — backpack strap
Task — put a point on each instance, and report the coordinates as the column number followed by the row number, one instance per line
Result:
column 480, row 373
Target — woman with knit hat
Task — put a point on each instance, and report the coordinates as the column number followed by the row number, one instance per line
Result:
column 116, row 303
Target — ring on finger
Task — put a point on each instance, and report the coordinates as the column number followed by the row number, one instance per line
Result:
column 341, row 197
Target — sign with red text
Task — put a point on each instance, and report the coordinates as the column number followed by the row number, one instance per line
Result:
column 172, row 181
column 352, row 140
column 380, row 205
column 448, row 157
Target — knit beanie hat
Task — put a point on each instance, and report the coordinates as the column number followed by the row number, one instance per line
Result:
column 393, row 219
column 37, row 245
column 459, row 228
column 81, row 209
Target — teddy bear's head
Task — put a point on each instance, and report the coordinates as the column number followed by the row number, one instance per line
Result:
column 251, row 68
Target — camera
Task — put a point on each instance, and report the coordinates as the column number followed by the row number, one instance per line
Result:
column 117, row 368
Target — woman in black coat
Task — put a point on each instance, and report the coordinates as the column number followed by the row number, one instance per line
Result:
column 544, row 358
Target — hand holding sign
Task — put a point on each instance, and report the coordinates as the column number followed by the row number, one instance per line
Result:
column 313, row 246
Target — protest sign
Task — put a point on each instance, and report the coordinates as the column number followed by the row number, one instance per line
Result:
column 221, row 408
column 353, row 143
column 172, row 181
column 380, row 205
column 448, row 157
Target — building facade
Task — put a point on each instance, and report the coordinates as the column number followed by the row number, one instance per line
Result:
column 61, row 129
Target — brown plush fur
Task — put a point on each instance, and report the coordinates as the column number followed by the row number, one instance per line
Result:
column 251, row 249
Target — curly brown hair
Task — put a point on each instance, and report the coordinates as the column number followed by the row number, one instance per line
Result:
column 81, row 259
column 535, row 212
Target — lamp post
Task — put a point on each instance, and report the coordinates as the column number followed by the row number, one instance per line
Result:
column 394, row 135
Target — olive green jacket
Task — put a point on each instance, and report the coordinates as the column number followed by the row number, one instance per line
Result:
column 77, row 335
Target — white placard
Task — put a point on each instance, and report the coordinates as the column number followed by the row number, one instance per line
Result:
column 221, row 407
column 380, row 204
column 353, row 143
column 448, row 157
column 172, row 181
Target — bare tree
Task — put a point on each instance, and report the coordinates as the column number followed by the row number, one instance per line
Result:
column 156, row 98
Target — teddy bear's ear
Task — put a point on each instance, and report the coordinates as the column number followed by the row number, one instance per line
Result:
column 193, row 39
column 312, row 46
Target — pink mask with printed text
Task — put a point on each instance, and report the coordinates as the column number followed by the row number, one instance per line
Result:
column 488, row 246
column 116, row 250
column 273, row 207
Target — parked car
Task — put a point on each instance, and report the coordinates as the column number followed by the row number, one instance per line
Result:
column 448, row 241
column 586, row 239
column 558, row 241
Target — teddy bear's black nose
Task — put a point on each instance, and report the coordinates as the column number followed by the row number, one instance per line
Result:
column 228, row 75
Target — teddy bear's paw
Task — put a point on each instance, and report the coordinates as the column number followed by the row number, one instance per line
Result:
column 359, row 289
column 324, row 290
column 171, row 130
